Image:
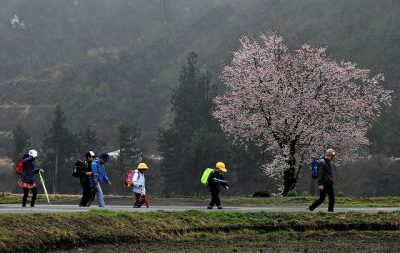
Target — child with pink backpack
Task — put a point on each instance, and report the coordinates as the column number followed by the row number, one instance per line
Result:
column 136, row 180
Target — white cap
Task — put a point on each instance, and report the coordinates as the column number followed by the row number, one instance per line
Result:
column 33, row 153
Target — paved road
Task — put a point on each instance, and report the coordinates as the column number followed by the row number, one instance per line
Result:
column 16, row 208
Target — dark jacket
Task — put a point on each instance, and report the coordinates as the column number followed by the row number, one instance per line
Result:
column 87, row 167
column 216, row 185
column 325, row 172
column 29, row 171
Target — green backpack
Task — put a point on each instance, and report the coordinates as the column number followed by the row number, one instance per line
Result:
column 205, row 176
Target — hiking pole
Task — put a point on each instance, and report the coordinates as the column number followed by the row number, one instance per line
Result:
column 44, row 186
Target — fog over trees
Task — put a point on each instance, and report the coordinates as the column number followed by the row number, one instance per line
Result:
column 141, row 76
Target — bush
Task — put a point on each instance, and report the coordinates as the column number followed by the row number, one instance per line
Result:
column 292, row 193
column 261, row 194
column 340, row 194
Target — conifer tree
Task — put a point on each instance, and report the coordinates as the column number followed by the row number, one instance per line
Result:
column 21, row 140
column 59, row 148
column 88, row 140
column 129, row 152
column 193, row 140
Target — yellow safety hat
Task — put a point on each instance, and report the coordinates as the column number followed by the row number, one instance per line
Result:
column 221, row 166
column 142, row 166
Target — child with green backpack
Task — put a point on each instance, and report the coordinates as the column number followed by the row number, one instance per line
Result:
column 214, row 181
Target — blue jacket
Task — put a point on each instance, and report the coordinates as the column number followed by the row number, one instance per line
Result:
column 29, row 171
column 99, row 172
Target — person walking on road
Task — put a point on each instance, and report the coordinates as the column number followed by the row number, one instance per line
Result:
column 139, row 185
column 85, row 178
column 325, row 181
column 215, row 182
column 27, row 180
column 98, row 176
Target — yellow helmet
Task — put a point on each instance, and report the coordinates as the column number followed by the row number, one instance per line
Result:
column 142, row 166
column 221, row 166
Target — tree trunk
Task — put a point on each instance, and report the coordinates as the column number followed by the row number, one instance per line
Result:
column 290, row 180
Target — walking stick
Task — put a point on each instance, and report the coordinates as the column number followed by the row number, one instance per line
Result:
column 44, row 186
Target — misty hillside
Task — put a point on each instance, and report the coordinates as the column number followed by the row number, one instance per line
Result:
column 111, row 62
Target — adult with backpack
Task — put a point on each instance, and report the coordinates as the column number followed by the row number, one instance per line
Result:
column 139, row 185
column 83, row 170
column 98, row 176
column 26, row 168
column 325, row 181
column 214, row 180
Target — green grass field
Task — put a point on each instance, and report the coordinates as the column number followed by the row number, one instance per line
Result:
column 40, row 231
column 7, row 198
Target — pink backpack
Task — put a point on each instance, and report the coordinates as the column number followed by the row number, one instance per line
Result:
column 128, row 178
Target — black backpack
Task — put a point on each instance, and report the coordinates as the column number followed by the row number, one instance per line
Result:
column 79, row 168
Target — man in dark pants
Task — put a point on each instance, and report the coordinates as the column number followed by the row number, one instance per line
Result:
column 215, row 182
column 85, row 177
column 325, row 182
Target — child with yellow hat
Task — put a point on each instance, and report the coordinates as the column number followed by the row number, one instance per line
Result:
column 138, row 185
column 214, row 184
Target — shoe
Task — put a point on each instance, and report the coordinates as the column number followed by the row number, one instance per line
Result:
column 209, row 207
column 309, row 209
column 220, row 207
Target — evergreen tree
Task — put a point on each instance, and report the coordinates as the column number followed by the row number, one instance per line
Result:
column 21, row 140
column 384, row 133
column 193, row 141
column 129, row 151
column 88, row 140
column 59, row 148
column 129, row 156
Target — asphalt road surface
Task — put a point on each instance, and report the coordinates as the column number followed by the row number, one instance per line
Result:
column 16, row 208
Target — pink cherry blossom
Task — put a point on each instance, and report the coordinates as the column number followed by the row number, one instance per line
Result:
column 297, row 103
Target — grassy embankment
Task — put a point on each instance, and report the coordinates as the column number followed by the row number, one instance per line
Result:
column 7, row 198
column 297, row 201
column 304, row 201
column 37, row 232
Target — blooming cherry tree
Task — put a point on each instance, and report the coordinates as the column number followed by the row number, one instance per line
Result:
column 297, row 104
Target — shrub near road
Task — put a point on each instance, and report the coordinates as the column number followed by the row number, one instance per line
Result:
column 67, row 230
